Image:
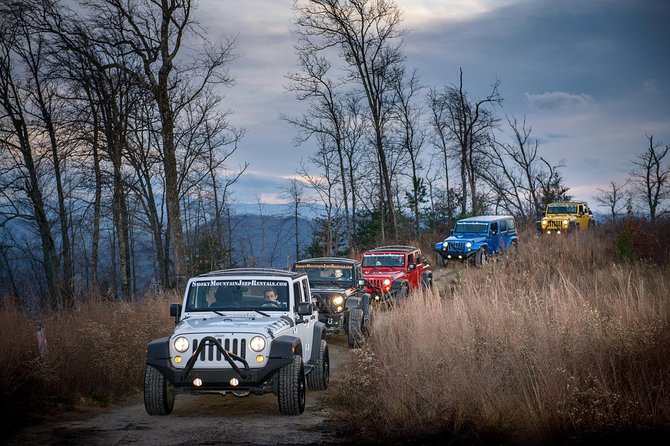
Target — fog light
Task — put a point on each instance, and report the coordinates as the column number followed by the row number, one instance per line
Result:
column 234, row 382
column 376, row 297
column 260, row 358
column 197, row 382
column 460, row 257
column 339, row 309
column 558, row 232
column 548, row 232
column 177, row 359
column 449, row 256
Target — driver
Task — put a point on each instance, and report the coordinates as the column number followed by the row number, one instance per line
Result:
column 270, row 296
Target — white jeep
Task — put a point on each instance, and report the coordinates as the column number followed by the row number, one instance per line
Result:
column 240, row 331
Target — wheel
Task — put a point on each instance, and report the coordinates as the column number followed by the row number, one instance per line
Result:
column 404, row 291
column 441, row 261
column 158, row 393
column 367, row 322
column 320, row 375
column 427, row 283
column 514, row 249
column 291, row 387
column 355, row 333
column 480, row 258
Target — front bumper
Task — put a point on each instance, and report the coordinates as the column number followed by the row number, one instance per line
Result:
column 238, row 377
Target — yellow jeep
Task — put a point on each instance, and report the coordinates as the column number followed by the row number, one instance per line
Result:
column 566, row 217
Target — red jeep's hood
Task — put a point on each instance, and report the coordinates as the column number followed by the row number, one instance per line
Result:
column 382, row 273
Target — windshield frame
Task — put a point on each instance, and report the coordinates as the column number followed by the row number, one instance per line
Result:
column 386, row 260
column 315, row 273
column 565, row 209
column 236, row 295
column 471, row 225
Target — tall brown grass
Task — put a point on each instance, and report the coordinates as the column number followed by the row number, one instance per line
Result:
column 96, row 352
column 558, row 345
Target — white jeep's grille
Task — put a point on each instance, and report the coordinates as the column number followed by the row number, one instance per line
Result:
column 456, row 246
column 210, row 352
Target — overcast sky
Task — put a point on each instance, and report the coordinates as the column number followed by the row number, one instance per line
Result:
column 592, row 77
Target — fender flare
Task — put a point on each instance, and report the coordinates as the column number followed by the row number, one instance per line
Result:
column 158, row 349
column 318, row 334
column 285, row 347
column 397, row 285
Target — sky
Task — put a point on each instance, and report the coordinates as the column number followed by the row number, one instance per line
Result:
column 591, row 78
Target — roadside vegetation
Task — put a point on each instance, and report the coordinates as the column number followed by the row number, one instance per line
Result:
column 567, row 343
column 95, row 353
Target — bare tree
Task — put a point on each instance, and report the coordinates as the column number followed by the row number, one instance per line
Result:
column 514, row 171
column 295, row 191
column 651, row 177
column 154, row 32
column 613, row 198
column 411, row 137
column 469, row 123
column 367, row 34
column 17, row 134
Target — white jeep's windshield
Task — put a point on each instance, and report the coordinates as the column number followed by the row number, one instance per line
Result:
column 563, row 209
column 325, row 273
column 392, row 260
column 238, row 295
column 470, row 228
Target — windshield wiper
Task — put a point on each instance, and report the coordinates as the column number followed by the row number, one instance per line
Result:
column 261, row 313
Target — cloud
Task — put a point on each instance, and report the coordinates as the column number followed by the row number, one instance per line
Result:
column 560, row 101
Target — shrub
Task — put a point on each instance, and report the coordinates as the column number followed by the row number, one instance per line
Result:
column 556, row 346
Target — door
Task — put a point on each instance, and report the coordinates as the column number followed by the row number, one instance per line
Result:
column 306, row 328
column 494, row 238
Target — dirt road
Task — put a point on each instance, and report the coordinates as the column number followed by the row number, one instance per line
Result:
column 205, row 419
column 196, row 420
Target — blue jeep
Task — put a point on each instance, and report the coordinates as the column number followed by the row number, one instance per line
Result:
column 476, row 238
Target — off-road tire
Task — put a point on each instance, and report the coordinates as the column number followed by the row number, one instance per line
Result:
column 441, row 261
column 481, row 256
column 404, row 291
column 513, row 249
column 355, row 334
column 367, row 321
column 291, row 387
column 318, row 378
column 158, row 393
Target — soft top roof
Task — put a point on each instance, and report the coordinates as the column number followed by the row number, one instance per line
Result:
column 328, row 260
column 486, row 218
column 253, row 272
column 397, row 248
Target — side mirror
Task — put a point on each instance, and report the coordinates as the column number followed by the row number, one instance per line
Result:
column 451, row 231
column 305, row 309
column 175, row 311
column 361, row 282
column 412, row 266
column 425, row 262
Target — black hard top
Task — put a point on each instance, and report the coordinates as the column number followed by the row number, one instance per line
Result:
column 329, row 260
column 401, row 248
column 254, row 272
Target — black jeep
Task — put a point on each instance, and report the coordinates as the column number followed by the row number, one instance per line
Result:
column 338, row 287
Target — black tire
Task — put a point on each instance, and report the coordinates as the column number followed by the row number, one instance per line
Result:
column 441, row 261
column 291, row 387
column 427, row 283
column 481, row 257
column 404, row 291
column 158, row 393
column 355, row 336
column 318, row 378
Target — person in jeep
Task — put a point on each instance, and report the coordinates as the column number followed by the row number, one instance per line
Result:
column 270, row 296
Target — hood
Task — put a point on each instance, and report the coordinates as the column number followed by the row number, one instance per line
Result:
column 328, row 288
column 376, row 273
column 466, row 237
column 213, row 323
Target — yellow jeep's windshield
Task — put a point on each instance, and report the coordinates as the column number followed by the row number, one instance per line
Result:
column 562, row 209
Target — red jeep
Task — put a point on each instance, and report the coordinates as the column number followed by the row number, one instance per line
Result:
column 391, row 271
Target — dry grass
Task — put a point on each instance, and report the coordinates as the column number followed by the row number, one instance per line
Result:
column 560, row 345
column 96, row 352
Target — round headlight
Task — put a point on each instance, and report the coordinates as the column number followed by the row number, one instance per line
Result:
column 257, row 343
column 565, row 222
column 181, row 344
column 544, row 223
column 468, row 245
column 337, row 300
column 387, row 282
